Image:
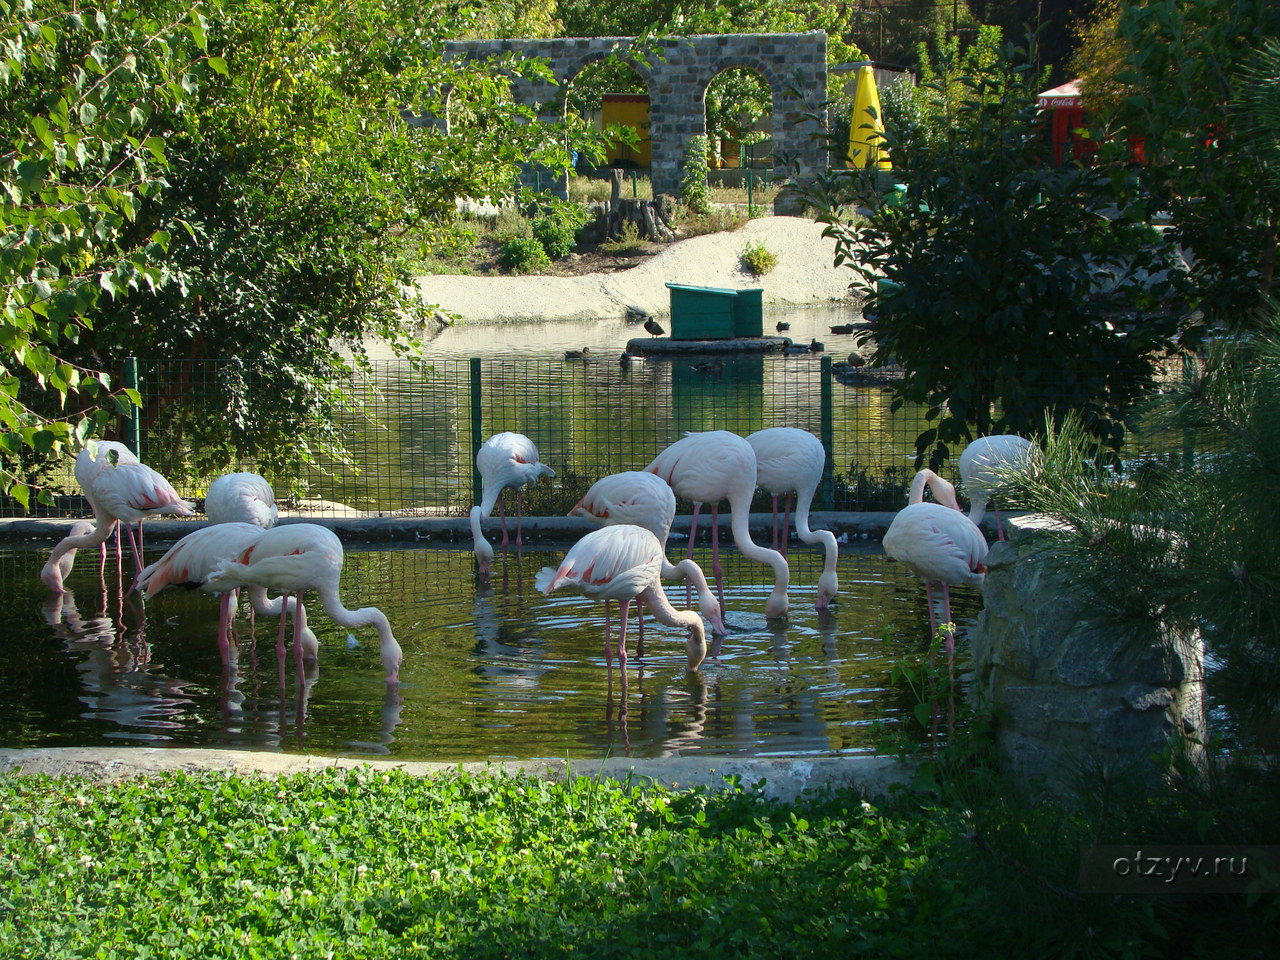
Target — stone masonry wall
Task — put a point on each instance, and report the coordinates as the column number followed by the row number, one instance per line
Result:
column 794, row 65
column 1070, row 701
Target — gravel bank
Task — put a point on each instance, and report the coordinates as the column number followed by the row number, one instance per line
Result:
column 804, row 275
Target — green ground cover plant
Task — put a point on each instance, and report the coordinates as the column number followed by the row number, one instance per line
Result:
column 363, row 863
column 386, row 865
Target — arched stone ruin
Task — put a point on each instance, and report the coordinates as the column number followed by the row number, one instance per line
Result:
column 677, row 71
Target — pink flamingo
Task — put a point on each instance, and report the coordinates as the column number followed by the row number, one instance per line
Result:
column 985, row 463
column 791, row 460
column 623, row 562
column 241, row 498
column 645, row 500
column 938, row 543
column 119, row 492
column 710, row 467
column 97, row 456
column 504, row 460
column 192, row 561
column 299, row 557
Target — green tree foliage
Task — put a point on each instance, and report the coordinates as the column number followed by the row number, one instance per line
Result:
column 1182, row 544
column 1184, row 64
column 292, row 178
column 85, row 98
column 1003, row 286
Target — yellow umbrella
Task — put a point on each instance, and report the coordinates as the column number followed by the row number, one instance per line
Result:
column 866, row 131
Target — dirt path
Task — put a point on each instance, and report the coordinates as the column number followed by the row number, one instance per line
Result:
column 804, row 274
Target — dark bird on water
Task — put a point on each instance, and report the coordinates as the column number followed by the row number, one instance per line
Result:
column 709, row 366
column 782, row 325
column 653, row 328
column 628, row 358
column 842, row 328
column 577, row 354
column 791, row 347
column 816, row 347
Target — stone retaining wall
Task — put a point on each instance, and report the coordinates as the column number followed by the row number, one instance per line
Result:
column 1070, row 701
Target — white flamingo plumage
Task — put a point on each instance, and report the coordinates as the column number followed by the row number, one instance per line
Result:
column 985, row 462
column 241, row 498
column 938, row 543
column 193, row 559
column 305, row 556
column 504, row 460
column 90, row 461
column 623, row 562
column 710, row 467
column 790, row 460
column 120, row 491
column 645, row 500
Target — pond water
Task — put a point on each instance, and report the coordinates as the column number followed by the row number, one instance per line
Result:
column 490, row 672
column 607, row 338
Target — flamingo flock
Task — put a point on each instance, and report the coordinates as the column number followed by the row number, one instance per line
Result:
column 625, row 560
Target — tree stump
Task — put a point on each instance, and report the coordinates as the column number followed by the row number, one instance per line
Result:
column 652, row 218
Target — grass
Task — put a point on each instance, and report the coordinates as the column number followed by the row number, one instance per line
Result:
column 369, row 864
column 588, row 189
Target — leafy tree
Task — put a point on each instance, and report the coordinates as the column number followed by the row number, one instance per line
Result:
column 87, row 96
column 295, row 188
column 1003, row 286
column 1181, row 545
column 1183, row 66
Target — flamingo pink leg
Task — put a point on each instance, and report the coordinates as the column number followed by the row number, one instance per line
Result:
column 519, row 517
column 608, row 648
column 297, row 647
column 639, row 628
column 284, row 616
column 502, row 515
column 775, row 521
column 224, row 624
column 624, row 607
column 693, row 532
column 999, row 525
column 715, row 553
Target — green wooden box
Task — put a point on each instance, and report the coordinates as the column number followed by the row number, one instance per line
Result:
column 702, row 313
column 748, row 313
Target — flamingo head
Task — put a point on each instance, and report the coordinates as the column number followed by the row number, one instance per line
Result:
column 828, row 586
column 776, row 605
column 710, row 608
column 695, row 647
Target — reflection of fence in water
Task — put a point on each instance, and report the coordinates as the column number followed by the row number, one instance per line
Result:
column 413, row 431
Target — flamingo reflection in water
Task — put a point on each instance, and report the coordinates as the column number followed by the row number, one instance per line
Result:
column 119, row 681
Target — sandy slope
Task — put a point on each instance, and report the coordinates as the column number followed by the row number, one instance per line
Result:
column 804, row 274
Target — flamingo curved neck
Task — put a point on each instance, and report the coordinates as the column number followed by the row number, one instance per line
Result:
column 753, row 551
column 942, row 490
column 54, row 570
column 482, row 546
column 388, row 647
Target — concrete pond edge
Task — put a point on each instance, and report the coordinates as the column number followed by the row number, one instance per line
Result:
column 774, row 778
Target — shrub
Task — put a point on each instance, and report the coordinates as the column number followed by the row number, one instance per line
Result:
column 523, row 255
column 557, row 228
column 629, row 242
column 758, row 258
column 694, row 191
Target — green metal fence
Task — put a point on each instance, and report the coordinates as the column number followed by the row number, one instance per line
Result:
column 413, row 431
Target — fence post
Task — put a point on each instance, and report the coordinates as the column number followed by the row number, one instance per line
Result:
column 828, row 437
column 477, row 430
column 132, row 418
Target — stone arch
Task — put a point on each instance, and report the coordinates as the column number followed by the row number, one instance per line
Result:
column 793, row 64
column 776, row 84
column 575, row 68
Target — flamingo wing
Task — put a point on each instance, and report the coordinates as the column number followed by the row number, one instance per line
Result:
column 612, row 563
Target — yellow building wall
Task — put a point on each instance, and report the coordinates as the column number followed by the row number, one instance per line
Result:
column 631, row 109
